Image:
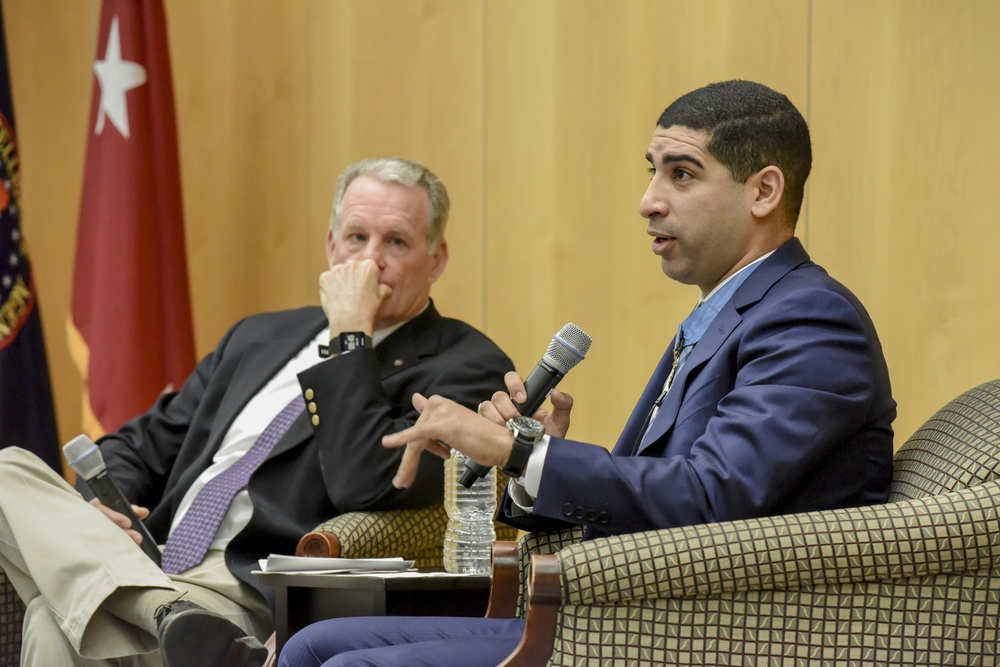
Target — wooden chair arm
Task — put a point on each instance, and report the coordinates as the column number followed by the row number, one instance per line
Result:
column 544, row 597
column 272, row 653
column 415, row 534
column 504, row 582
column 318, row 544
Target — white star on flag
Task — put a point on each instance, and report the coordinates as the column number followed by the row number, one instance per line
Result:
column 116, row 77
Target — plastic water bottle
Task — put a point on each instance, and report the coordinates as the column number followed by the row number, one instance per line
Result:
column 468, row 540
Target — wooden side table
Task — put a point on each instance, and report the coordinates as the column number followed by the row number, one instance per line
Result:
column 301, row 599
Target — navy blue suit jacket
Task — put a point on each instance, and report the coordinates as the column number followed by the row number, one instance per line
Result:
column 783, row 406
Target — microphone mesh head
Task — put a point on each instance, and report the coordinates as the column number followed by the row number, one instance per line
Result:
column 568, row 347
column 84, row 457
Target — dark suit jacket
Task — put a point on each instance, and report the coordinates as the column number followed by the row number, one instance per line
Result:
column 314, row 472
column 783, row 406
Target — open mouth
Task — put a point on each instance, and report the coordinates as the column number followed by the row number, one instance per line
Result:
column 662, row 244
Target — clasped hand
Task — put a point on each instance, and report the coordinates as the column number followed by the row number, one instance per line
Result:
column 444, row 425
column 121, row 520
column 351, row 294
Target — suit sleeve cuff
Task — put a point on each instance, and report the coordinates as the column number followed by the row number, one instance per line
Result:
column 524, row 489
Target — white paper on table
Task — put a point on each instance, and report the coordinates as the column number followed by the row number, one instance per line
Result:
column 281, row 563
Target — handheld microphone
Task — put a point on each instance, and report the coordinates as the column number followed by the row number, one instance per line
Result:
column 567, row 349
column 85, row 458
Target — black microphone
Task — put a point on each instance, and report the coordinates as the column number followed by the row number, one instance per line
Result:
column 85, row 458
column 567, row 349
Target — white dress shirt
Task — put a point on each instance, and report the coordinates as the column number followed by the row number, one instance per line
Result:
column 249, row 425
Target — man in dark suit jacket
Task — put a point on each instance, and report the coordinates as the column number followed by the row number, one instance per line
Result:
column 352, row 365
column 773, row 397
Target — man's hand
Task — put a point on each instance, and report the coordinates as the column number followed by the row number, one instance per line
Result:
column 351, row 294
column 442, row 426
column 501, row 407
column 121, row 520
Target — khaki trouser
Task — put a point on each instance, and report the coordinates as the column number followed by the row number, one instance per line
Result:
column 64, row 558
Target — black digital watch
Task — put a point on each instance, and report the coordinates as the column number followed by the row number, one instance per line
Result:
column 354, row 340
column 349, row 341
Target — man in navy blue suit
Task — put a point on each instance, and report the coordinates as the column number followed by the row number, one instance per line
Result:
column 773, row 397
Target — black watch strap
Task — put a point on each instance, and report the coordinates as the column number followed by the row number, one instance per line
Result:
column 527, row 432
column 348, row 341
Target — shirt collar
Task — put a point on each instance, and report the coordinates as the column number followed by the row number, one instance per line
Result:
column 696, row 324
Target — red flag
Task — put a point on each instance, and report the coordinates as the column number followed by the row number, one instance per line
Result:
column 130, row 328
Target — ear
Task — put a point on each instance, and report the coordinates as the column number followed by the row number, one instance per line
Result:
column 440, row 256
column 330, row 244
column 767, row 187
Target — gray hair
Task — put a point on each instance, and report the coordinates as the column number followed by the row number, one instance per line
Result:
column 404, row 172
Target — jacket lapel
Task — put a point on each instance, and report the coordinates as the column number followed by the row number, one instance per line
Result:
column 724, row 323
column 631, row 432
column 415, row 340
column 259, row 364
column 784, row 259
column 409, row 344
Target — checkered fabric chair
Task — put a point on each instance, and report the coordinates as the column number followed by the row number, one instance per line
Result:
column 413, row 534
column 911, row 582
column 11, row 613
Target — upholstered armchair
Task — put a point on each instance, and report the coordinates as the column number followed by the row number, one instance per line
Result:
column 11, row 613
column 413, row 534
column 911, row 582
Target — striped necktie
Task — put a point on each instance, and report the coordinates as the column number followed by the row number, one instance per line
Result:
column 188, row 543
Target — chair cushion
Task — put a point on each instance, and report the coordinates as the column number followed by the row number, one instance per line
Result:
column 11, row 613
column 957, row 448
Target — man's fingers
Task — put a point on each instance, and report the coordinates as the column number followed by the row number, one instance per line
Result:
column 397, row 439
column 412, row 433
column 410, row 462
column 121, row 520
column 116, row 518
column 515, row 386
column 490, row 410
column 558, row 420
column 438, row 448
column 407, row 467
column 560, row 400
column 440, row 420
column 504, row 406
column 351, row 294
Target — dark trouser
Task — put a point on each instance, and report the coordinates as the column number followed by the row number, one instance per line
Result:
column 404, row 641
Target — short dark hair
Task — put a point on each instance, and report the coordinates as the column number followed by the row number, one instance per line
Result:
column 749, row 126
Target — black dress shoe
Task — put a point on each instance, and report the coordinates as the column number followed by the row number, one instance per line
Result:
column 192, row 636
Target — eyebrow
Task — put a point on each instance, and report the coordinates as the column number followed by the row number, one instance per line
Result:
column 363, row 224
column 677, row 157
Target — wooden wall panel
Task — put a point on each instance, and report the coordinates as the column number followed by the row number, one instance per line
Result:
column 264, row 127
column 537, row 115
column 573, row 92
column 241, row 92
column 396, row 77
column 905, row 99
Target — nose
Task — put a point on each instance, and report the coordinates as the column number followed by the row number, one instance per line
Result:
column 373, row 251
column 652, row 206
